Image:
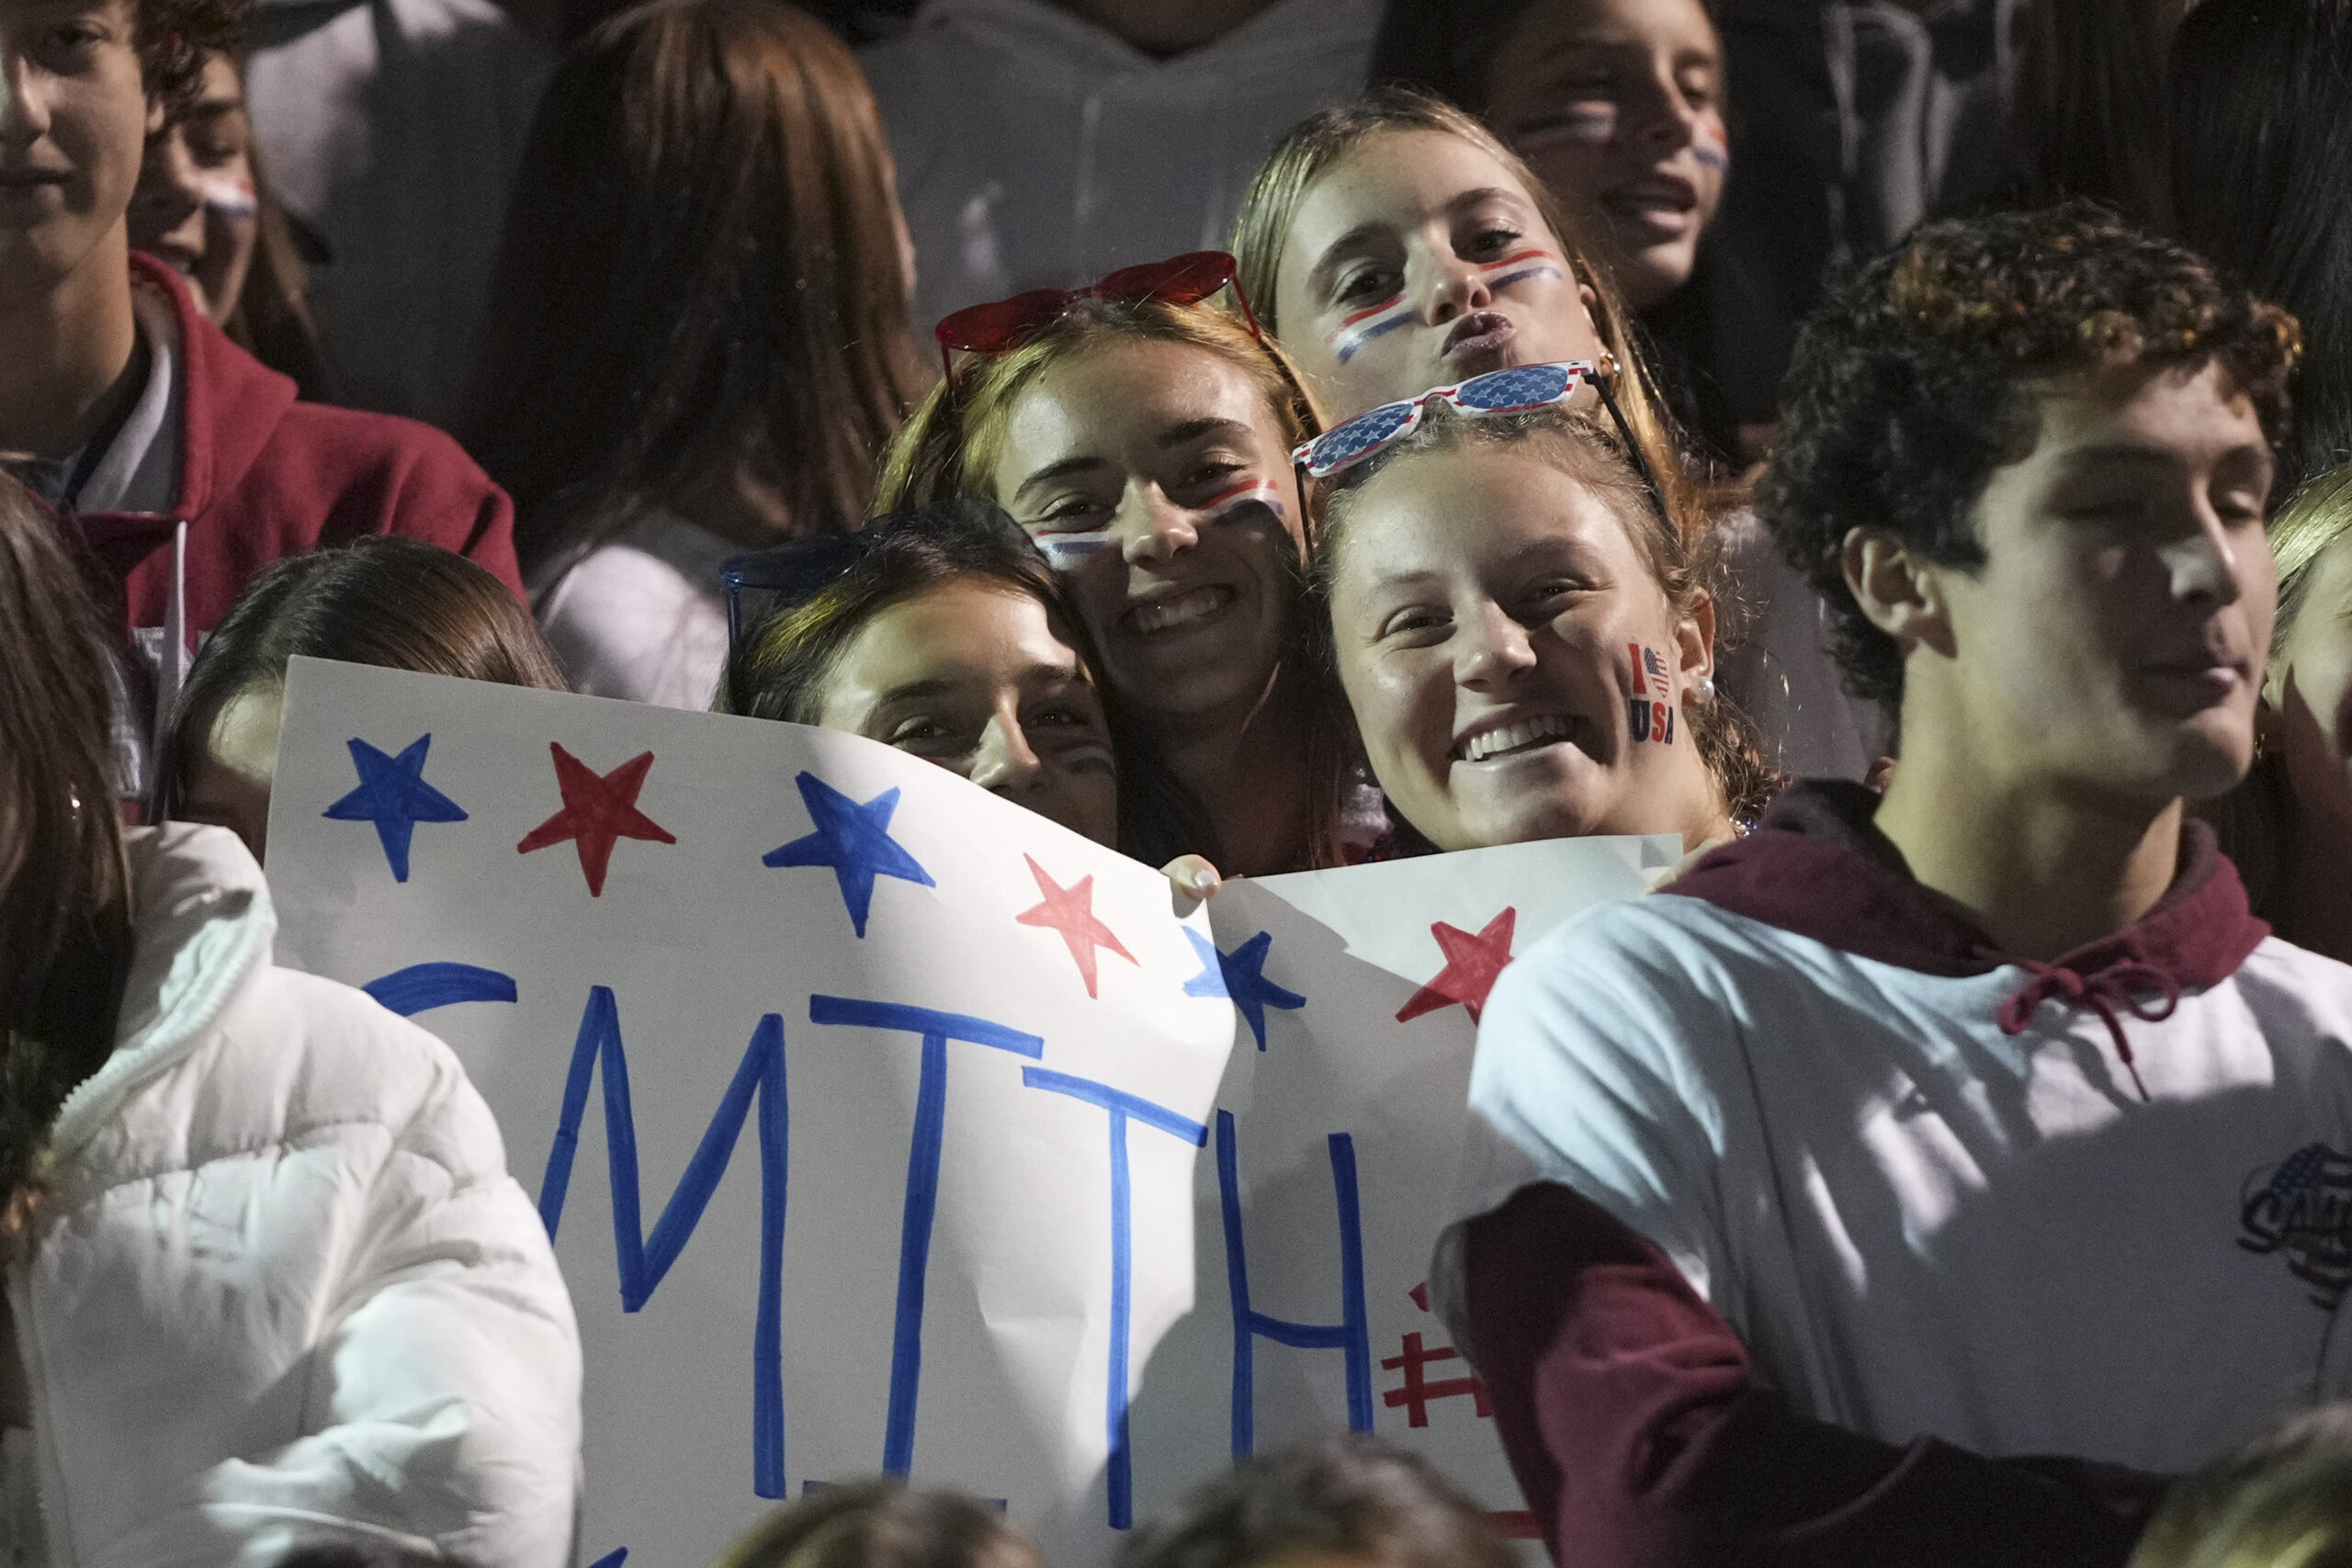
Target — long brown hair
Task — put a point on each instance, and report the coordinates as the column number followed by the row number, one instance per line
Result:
column 1307, row 151
column 955, row 440
column 64, row 888
column 275, row 320
column 701, row 279
column 394, row 602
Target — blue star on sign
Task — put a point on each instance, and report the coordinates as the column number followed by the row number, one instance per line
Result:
column 392, row 795
column 853, row 837
column 1240, row 974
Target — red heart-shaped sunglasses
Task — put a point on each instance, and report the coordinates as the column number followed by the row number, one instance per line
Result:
column 1002, row 325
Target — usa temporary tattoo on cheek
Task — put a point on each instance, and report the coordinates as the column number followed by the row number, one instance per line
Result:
column 1354, row 331
column 1649, row 711
column 1591, row 125
column 1228, row 505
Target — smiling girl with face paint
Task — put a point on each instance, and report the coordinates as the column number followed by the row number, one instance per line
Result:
column 1524, row 641
column 1403, row 209
column 939, row 631
column 203, row 208
column 1144, row 445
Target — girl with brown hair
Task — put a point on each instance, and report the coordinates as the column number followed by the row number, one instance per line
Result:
column 383, row 601
column 698, row 338
column 252, row 1187
column 1142, row 436
column 204, row 209
column 1395, row 244
column 942, row 632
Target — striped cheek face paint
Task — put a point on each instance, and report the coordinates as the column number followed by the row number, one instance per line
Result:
column 225, row 195
column 1591, row 125
column 1710, row 146
column 1348, row 339
column 1354, row 331
column 1229, row 504
column 1520, row 265
column 1068, row 552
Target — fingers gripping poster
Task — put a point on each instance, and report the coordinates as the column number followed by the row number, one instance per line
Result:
column 882, row 1125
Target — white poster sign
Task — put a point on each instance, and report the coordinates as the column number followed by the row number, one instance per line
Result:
column 883, row 1125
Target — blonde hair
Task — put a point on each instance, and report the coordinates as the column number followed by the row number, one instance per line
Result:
column 1311, row 148
column 2252, row 819
column 2283, row 1501
column 2315, row 518
column 953, row 442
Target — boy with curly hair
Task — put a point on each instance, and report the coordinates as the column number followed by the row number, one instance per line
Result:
column 1920, row 1178
column 179, row 461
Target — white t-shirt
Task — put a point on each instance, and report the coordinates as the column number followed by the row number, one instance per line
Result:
column 1036, row 148
column 1920, row 1224
column 643, row 615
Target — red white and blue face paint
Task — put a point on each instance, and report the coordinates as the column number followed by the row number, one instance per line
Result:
column 1360, row 328
column 1228, row 505
column 1520, row 265
column 1067, row 552
column 1649, row 712
column 1354, row 331
column 227, row 196
column 1710, row 146
column 1592, row 123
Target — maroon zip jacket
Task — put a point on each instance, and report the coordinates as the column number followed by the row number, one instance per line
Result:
column 263, row 476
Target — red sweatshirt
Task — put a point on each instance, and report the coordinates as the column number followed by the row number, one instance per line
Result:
column 262, row 476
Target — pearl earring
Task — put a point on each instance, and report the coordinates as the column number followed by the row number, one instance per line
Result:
column 1706, row 688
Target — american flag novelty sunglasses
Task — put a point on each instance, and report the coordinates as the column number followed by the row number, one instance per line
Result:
column 1514, row 390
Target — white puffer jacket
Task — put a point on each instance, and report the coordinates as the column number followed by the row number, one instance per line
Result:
column 288, row 1292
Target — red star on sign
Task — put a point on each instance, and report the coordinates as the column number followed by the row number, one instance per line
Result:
column 1472, row 964
column 1070, row 910
column 596, row 812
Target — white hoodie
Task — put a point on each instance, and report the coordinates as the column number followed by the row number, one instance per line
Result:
column 286, row 1291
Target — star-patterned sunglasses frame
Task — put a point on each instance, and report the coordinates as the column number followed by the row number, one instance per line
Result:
column 1513, row 391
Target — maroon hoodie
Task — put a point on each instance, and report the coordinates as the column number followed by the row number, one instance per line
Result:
column 262, row 476
column 1640, row 1430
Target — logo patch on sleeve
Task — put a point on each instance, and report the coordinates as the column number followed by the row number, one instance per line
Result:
column 2302, row 1209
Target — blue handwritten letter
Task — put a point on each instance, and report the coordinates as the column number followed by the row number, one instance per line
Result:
column 644, row 1260
column 1351, row 1334
column 1119, row 1481
column 922, row 1180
